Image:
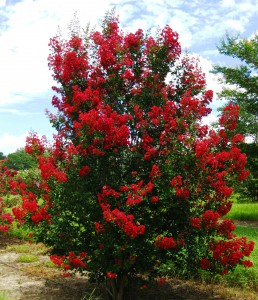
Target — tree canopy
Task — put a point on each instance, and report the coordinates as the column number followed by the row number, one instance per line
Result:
column 241, row 80
column 20, row 160
column 2, row 156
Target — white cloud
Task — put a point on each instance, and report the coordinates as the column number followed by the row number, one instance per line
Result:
column 253, row 35
column 237, row 25
column 228, row 3
column 211, row 118
column 10, row 143
column 183, row 24
column 17, row 112
column 211, row 79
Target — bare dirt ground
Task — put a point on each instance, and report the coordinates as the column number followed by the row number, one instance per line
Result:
column 38, row 281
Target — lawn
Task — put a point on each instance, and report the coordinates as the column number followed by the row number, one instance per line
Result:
column 244, row 212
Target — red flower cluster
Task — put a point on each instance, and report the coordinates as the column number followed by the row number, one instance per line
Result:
column 48, row 168
column 125, row 222
column 155, row 172
column 210, row 219
column 165, row 242
column 229, row 117
column 71, row 261
column 35, row 145
column 6, row 219
column 226, row 227
column 111, row 275
column 84, row 171
column 99, row 227
column 196, row 222
column 228, row 254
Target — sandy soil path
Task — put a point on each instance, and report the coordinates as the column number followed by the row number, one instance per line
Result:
column 37, row 281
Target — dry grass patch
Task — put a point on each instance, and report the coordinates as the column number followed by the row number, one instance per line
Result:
column 41, row 271
column 38, row 249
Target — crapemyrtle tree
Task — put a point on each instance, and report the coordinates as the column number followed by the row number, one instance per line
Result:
column 133, row 181
column 6, row 176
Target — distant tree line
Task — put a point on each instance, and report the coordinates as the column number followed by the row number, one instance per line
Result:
column 18, row 160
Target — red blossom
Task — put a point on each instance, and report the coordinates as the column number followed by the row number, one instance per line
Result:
column 165, row 242
column 177, row 181
column 162, row 281
column 204, row 263
column 229, row 116
column 155, row 172
column 196, row 222
column 99, row 227
column 154, row 199
column 111, row 275
column 247, row 263
column 84, row 171
column 210, row 219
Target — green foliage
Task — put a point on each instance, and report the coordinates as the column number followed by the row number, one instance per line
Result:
column 20, row 160
column 249, row 188
column 244, row 81
column 2, row 156
column 19, row 231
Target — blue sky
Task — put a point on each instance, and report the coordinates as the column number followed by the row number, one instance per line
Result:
column 27, row 25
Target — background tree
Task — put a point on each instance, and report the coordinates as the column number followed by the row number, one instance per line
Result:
column 20, row 160
column 242, row 89
column 2, row 156
column 241, row 81
column 134, row 185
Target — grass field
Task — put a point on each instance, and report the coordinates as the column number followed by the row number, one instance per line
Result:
column 244, row 212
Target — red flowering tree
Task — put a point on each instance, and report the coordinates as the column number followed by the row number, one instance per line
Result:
column 134, row 180
column 6, row 219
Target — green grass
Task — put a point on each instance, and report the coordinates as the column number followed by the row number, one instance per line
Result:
column 243, row 212
column 27, row 258
column 3, row 296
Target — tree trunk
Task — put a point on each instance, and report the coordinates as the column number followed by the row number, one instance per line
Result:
column 116, row 287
